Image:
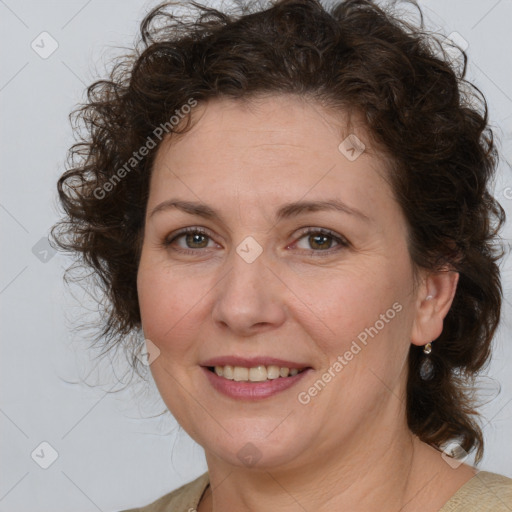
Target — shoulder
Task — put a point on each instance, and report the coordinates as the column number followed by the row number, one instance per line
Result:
column 183, row 499
column 485, row 492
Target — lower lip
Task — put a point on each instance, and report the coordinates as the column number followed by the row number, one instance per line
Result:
column 252, row 390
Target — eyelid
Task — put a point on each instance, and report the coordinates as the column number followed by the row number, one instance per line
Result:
column 323, row 231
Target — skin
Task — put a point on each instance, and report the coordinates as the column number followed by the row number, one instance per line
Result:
column 349, row 448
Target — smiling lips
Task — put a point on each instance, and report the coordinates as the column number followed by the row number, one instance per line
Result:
column 253, row 369
column 255, row 374
column 255, row 390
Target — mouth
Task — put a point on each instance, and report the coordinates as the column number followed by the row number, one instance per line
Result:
column 259, row 373
column 254, row 382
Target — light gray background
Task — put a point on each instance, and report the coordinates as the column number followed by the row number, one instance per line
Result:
column 111, row 453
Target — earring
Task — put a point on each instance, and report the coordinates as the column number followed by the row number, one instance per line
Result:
column 426, row 367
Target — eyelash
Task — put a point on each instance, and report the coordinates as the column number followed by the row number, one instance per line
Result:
column 343, row 243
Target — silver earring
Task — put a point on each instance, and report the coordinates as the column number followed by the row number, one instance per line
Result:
column 426, row 367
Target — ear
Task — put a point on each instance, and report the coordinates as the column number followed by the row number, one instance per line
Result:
column 434, row 299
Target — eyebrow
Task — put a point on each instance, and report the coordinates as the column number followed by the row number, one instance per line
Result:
column 286, row 211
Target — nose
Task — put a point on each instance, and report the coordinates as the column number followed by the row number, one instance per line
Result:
column 250, row 299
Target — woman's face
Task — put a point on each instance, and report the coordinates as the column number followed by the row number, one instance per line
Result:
column 256, row 285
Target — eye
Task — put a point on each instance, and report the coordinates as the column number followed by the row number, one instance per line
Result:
column 194, row 238
column 320, row 241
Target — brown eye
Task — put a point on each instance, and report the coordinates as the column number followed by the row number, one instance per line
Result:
column 194, row 239
column 321, row 241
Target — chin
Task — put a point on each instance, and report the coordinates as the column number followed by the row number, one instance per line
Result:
column 252, row 447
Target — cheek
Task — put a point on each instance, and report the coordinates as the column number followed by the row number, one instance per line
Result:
column 349, row 301
column 167, row 304
column 168, row 320
column 364, row 316
column 365, row 345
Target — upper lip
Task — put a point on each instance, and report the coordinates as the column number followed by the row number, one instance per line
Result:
column 251, row 362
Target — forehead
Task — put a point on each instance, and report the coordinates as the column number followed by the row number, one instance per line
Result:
column 269, row 148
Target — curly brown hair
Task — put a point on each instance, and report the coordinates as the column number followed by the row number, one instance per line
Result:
column 352, row 57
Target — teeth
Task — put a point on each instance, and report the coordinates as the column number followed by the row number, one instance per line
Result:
column 256, row 374
column 273, row 372
column 240, row 373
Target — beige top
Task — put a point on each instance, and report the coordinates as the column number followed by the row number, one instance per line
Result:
column 485, row 492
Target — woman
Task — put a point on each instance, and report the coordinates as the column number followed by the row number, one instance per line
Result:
column 292, row 207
